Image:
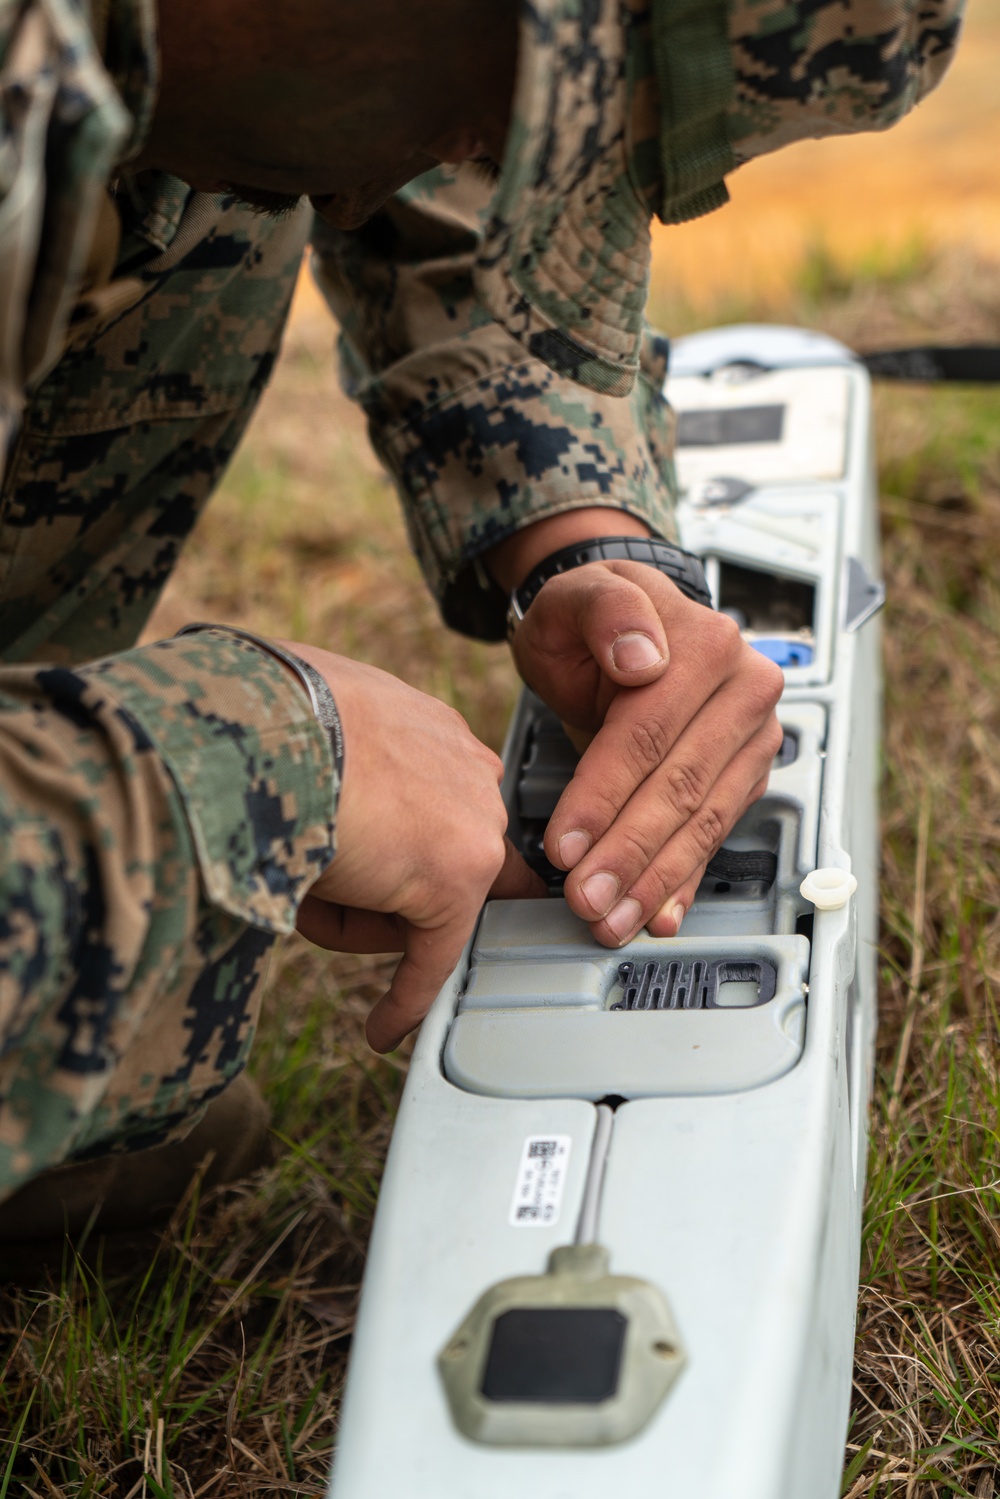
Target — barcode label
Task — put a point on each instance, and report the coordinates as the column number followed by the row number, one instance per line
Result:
column 541, row 1177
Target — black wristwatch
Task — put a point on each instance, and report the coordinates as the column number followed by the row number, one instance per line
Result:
column 681, row 567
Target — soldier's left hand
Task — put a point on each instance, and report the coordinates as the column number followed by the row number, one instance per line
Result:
column 679, row 712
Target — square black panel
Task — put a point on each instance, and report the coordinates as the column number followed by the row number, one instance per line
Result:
column 555, row 1355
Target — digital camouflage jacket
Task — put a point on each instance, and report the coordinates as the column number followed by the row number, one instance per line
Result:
column 163, row 809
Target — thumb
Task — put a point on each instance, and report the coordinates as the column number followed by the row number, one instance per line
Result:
column 612, row 615
column 625, row 633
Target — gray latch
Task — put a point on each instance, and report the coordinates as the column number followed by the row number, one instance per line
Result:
column 863, row 595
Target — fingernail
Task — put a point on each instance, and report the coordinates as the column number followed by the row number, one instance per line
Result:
column 671, row 910
column 625, row 917
column 600, row 891
column 573, row 846
column 634, row 652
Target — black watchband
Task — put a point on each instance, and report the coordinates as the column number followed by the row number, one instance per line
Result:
column 681, row 567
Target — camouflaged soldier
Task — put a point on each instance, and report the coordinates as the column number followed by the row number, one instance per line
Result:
column 167, row 810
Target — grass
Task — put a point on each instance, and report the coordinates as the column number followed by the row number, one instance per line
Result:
column 213, row 1366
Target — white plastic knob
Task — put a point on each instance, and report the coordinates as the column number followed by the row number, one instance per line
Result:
column 829, row 888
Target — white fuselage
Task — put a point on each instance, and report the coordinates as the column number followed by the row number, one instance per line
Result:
column 734, row 1176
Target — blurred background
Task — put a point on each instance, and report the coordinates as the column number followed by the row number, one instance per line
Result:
column 874, row 204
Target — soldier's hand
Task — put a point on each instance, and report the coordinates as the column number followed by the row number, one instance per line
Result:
column 420, row 839
column 679, row 714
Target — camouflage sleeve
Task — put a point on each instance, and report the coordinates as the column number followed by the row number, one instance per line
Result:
column 480, row 437
column 741, row 79
column 162, row 812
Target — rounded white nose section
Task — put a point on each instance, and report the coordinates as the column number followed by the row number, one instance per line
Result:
column 829, row 889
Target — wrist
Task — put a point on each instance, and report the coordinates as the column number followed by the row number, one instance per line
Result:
column 684, row 569
column 512, row 559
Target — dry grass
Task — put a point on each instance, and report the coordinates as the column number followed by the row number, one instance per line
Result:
column 215, row 1368
column 928, row 1361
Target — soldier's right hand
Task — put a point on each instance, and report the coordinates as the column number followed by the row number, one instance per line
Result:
column 420, row 839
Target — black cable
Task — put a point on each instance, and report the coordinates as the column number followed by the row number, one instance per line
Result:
column 971, row 364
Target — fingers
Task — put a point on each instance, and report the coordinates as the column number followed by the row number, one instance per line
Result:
column 430, row 955
column 633, row 876
column 677, row 756
column 596, row 627
column 440, row 923
column 420, row 826
column 516, row 881
column 613, row 616
column 716, row 685
column 580, row 739
column 666, row 922
column 634, row 786
column 345, row 929
column 428, row 960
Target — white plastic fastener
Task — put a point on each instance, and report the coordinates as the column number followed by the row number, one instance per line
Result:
column 829, row 888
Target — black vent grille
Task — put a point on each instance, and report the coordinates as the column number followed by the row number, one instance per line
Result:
column 692, row 986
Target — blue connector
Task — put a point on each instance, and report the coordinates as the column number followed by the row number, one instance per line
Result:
column 785, row 652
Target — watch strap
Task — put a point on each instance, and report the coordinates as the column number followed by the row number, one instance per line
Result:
column 682, row 568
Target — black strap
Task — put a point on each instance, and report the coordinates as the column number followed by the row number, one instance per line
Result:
column 683, row 568
column 973, row 364
column 736, row 867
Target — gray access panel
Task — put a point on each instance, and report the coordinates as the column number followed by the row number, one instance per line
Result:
column 526, row 1044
